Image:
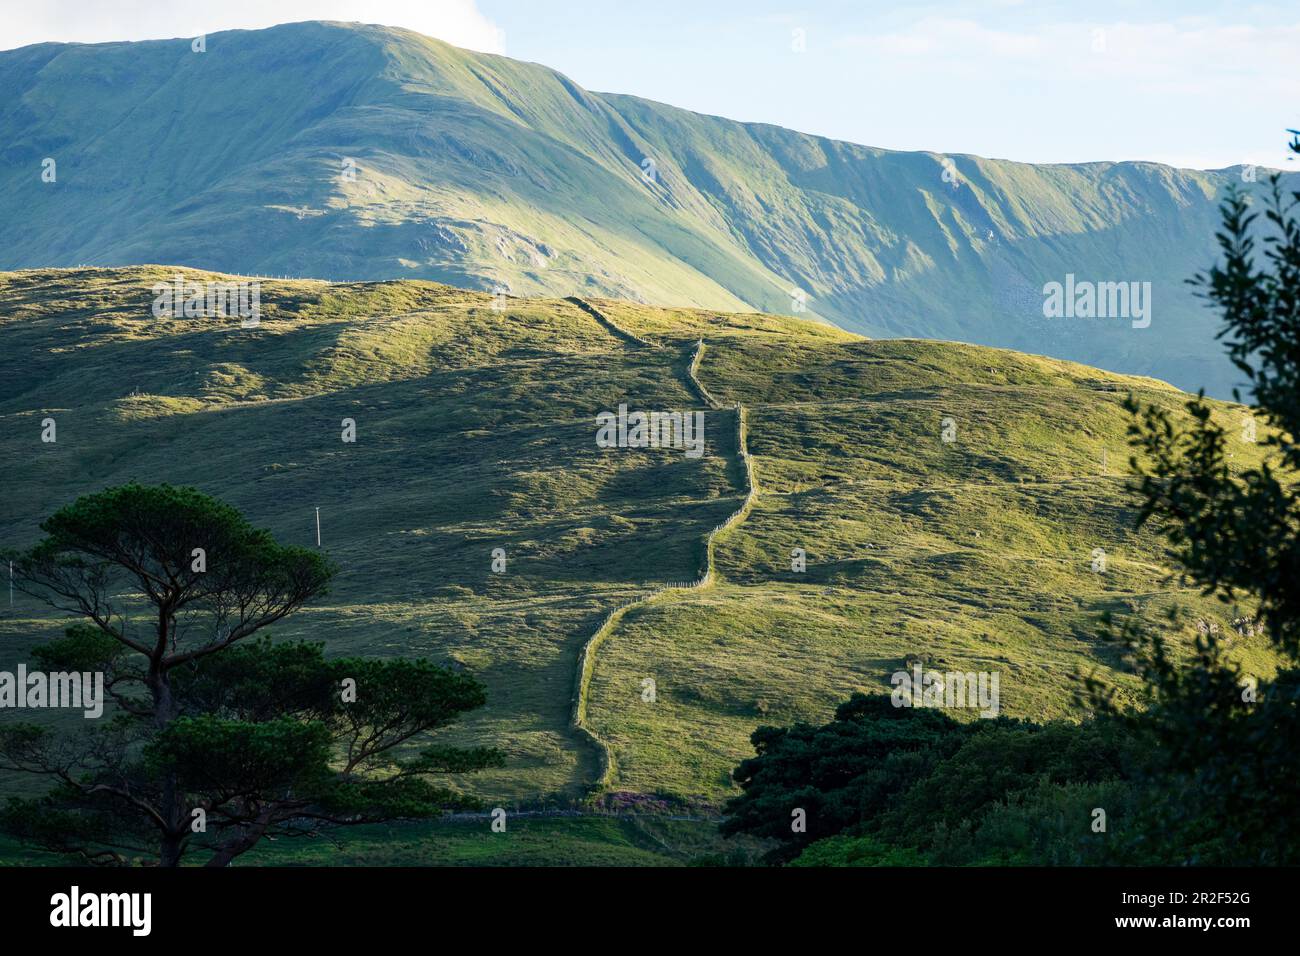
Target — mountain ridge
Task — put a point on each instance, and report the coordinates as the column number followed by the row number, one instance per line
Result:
column 355, row 152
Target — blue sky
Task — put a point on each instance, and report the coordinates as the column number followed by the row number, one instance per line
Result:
column 1203, row 84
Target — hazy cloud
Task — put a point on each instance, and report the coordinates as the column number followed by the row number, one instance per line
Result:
column 22, row 23
column 1125, row 76
column 1187, row 55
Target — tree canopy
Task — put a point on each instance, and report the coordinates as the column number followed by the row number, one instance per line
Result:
column 220, row 737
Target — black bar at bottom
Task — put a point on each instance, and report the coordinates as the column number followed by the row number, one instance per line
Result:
column 334, row 905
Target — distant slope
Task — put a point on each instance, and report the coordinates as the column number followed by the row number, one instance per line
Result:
column 475, row 431
column 479, row 170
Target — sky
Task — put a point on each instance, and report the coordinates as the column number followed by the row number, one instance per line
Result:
column 1187, row 82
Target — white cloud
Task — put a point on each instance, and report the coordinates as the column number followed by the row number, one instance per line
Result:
column 1187, row 56
column 1102, row 89
column 941, row 36
column 87, row 21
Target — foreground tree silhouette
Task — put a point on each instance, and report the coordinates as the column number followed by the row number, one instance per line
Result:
column 1226, row 779
column 218, row 741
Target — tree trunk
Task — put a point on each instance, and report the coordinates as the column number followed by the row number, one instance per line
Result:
column 172, row 842
column 243, row 843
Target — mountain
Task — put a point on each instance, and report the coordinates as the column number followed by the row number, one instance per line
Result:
column 950, row 501
column 341, row 151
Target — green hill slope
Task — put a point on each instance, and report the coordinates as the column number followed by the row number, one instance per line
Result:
column 353, row 152
column 476, row 431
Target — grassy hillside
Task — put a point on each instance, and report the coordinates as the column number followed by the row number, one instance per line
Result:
column 475, row 430
column 468, row 840
column 357, row 153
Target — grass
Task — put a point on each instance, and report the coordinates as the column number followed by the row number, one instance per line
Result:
column 476, row 431
column 639, row 840
column 971, row 555
column 545, row 841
